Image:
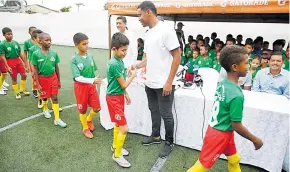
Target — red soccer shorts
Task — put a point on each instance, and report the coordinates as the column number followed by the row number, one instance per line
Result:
column 33, row 77
column 216, row 143
column 189, row 76
column 49, row 85
column 17, row 66
column 86, row 94
column 2, row 66
column 116, row 109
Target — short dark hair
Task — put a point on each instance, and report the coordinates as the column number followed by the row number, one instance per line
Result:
column 6, row 30
column 148, row 5
column 232, row 55
column 258, row 41
column 122, row 18
column 265, row 42
column 260, row 38
column 257, row 57
column 219, row 42
column 276, row 53
column 78, row 37
column 240, row 36
column 119, row 40
column 206, row 47
column 229, row 36
column 249, row 45
column 35, row 33
column 31, row 27
column 196, row 49
column 214, row 34
column 231, row 40
column 192, row 41
column 140, row 40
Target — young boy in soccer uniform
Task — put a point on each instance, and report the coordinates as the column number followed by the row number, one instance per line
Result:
column 226, row 115
column 83, row 69
column 11, row 50
column 45, row 62
column 249, row 48
column 216, row 64
column 27, row 45
column 204, row 61
column 116, row 96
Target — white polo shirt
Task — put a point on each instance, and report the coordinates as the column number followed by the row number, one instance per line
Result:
column 132, row 52
column 159, row 41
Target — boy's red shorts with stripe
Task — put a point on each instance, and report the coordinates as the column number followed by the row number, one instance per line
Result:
column 49, row 85
column 216, row 143
column 17, row 66
column 3, row 68
column 116, row 105
column 86, row 94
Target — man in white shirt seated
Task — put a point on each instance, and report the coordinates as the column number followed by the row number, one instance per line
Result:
column 273, row 80
column 244, row 82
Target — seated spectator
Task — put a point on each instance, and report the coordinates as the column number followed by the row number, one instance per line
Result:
column 256, row 62
column 273, row 80
column 240, row 40
column 286, row 59
column 203, row 60
column 206, row 40
column 264, row 62
column 200, row 42
column 249, row 41
column 190, row 39
column 229, row 36
column 265, row 45
column 189, row 51
column 191, row 63
column 199, row 36
column 258, row 45
column 249, row 48
column 230, row 42
column 213, row 53
column 267, row 53
column 277, row 46
column 140, row 49
column 216, row 64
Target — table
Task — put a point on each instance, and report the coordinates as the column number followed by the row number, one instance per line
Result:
column 265, row 115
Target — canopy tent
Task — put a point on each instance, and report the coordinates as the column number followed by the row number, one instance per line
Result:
column 250, row 11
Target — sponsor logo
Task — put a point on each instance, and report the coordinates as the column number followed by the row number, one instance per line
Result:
column 80, row 106
column 281, row 2
column 52, row 59
column 80, row 66
column 40, row 60
column 8, row 48
column 118, row 117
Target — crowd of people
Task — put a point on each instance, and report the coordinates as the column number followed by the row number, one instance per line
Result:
column 161, row 57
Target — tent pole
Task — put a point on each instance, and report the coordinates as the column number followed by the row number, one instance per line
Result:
column 109, row 35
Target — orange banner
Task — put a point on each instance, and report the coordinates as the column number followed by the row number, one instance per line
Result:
column 205, row 7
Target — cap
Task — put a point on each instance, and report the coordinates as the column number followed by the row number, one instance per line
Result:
column 180, row 23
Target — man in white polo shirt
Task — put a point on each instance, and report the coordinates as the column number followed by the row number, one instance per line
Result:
column 161, row 58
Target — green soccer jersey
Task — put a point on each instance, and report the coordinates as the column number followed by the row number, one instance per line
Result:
column 191, row 62
column 83, row 66
column 186, row 52
column 286, row 63
column 204, row 62
column 183, row 60
column 212, row 55
column 217, row 66
column 45, row 62
column 10, row 49
column 27, row 45
column 140, row 53
column 115, row 69
column 31, row 51
column 228, row 106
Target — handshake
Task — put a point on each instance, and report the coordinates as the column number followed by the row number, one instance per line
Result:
column 132, row 71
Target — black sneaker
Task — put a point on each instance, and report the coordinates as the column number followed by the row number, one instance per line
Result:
column 167, row 149
column 35, row 94
column 151, row 140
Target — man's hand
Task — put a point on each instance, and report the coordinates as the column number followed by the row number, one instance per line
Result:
column 167, row 89
column 258, row 143
column 128, row 100
column 97, row 81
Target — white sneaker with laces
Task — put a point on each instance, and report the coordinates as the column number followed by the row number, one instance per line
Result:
column 18, row 96
column 47, row 115
column 124, row 152
column 4, row 88
column 2, row 92
column 60, row 123
column 5, row 84
column 122, row 161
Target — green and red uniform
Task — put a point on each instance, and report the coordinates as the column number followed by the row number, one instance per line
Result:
column 115, row 94
column 86, row 93
column 47, row 78
column 189, row 73
column 219, row 138
column 29, row 57
column 204, row 62
column 11, row 51
column 27, row 45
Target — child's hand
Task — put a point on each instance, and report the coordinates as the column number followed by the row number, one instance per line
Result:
column 128, row 100
column 258, row 143
column 97, row 81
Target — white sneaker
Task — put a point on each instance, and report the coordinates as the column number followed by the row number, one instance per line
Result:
column 124, row 152
column 60, row 123
column 4, row 88
column 60, row 109
column 5, row 84
column 122, row 161
column 18, row 96
column 39, row 104
column 2, row 92
column 47, row 115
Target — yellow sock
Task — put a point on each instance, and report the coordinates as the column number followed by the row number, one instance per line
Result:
column 2, row 79
column 55, row 108
column 51, row 101
column 22, row 85
column 15, row 88
column 83, row 119
column 91, row 115
column 234, row 163
column 45, row 107
column 197, row 167
column 116, row 132
column 120, row 142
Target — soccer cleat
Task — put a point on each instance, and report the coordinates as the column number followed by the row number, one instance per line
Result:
column 91, row 125
column 47, row 115
column 60, row 123
column 4, row 88
column 25, row 93
column 124, row 152
column 88, row 133
column 2, row 92
column 39, row 104
column 35, row 93
column 5, row 84
column 121, row 161
column 18, row 96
